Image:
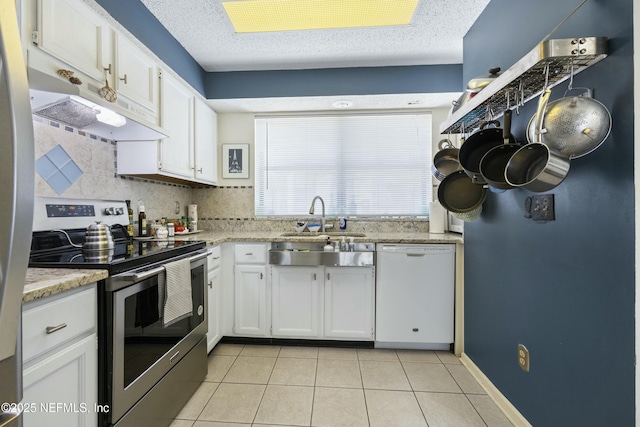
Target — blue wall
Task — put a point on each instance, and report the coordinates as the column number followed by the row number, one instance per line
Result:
column 565, row 289
column 336, row 81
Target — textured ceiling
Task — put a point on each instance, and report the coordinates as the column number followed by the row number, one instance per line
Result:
column 203, row 28
column 434, row 37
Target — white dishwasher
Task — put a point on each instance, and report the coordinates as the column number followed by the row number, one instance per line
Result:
column 415, row 295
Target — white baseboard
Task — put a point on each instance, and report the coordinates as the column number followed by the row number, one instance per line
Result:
column 510, row 411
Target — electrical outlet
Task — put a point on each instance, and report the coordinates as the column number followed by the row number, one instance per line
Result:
column 523, row 358
column 540, row 207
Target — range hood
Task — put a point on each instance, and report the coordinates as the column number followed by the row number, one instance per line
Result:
column 59, row 100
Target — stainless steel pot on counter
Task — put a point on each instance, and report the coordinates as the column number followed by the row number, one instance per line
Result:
column 98, row 237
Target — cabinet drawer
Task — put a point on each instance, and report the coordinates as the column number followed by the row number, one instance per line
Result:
column 214, row 260
column 77, row 311
column 250, row 254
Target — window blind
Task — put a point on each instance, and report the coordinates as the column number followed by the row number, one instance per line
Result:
column 361, row 165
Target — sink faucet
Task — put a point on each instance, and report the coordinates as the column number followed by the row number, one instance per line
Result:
column 311, row 210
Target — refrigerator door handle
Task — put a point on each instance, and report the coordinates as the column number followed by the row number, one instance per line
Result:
column 9, row 416
column 17, row 165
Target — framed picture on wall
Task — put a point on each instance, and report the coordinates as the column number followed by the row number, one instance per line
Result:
column 235, row 161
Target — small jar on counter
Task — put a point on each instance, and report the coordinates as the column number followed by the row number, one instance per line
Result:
column 171, row 229
column 162, row 232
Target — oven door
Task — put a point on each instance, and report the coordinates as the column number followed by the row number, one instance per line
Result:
column 143, row 348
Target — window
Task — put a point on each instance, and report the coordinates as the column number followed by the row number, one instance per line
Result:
column 361, row 165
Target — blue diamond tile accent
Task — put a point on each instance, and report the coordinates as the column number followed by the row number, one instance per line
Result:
column 58, row 169
column 71, row 171
column 45, row 167
column 58, row 156
column 59, row 182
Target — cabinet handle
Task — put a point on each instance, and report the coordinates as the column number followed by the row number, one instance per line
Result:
column 328, row 276
column 210, row 284
column 216, row 257
column 52, row 329
column 249, row 254
column 124, row 79
column 314, row 276
column 200, row 170
column 108, row 69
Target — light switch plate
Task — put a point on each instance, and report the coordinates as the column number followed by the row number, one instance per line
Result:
column 540, row 207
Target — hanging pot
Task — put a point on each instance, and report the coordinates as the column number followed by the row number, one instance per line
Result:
column 479, row 144
column 457, row 193
column 446, row 160
column 493, row 164
column 574, row 126
column 537, row 168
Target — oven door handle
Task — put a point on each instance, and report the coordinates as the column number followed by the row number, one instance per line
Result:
column 139, row 277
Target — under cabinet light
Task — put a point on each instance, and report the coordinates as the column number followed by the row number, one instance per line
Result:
column 253, row 16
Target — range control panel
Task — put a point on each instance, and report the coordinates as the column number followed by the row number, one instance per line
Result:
column 50, row 213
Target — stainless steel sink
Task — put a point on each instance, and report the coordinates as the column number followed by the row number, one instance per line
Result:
column 317, row 234
column 312, row 253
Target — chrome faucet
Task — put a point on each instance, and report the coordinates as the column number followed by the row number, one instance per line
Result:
column 311, row 210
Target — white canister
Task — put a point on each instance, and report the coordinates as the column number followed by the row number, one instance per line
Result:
column 193, row 212
column 437, row 216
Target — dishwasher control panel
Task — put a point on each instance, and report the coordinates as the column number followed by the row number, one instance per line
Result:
column 416, row 249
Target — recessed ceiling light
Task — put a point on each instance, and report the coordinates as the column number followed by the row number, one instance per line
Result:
column 252, row 16
column 342, row 104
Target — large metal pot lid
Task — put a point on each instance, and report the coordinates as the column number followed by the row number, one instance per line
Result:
column 574, row 126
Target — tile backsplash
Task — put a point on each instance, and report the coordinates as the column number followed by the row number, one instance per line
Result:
column 95, row 157
column 225, row 208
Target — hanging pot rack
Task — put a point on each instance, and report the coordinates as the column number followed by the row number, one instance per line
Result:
column 554, row 59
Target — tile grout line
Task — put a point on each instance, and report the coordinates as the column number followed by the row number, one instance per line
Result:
column 265, row 387
column 220, row 383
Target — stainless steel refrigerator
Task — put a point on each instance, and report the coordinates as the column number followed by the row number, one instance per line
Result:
column 16, row 207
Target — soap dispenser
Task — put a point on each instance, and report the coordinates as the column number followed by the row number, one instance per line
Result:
column 328, row 247
column 344, row 247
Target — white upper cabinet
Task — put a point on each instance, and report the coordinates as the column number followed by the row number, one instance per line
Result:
column 176, row 118
column 206, row 143
column 189, row 152
column 77, row 38
column 135, row 74
column 72, row 32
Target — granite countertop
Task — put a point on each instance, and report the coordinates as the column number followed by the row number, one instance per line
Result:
column 43, row 282
column 214, row 238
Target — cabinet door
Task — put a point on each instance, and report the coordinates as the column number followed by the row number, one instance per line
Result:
column 295, row 296
column 74, row 33
column 206, row 143
column 214, row 299
column 136, row 74
column 349, row 302
column 176, row 115
column 250, row 291
column 69, row 378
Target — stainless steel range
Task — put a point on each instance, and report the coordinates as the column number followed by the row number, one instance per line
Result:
column 151, row 309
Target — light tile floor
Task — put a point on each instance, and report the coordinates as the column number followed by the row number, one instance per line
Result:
column 256, row 385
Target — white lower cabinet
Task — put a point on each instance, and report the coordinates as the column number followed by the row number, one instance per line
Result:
column 349, row 303
column 250, row 292
column 322, row 302
column 296, row 301
column 214, row 298
column 251, row 317
column 60, row 371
